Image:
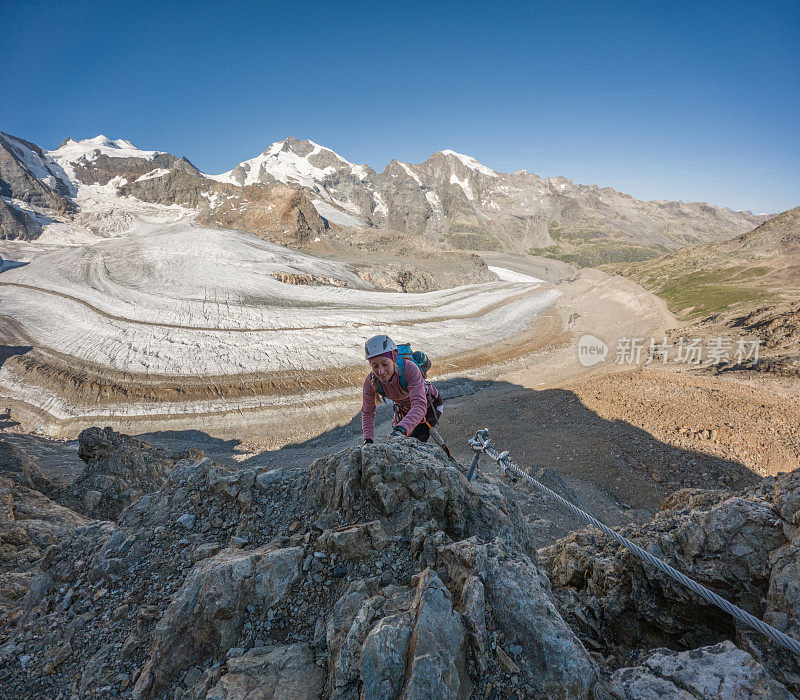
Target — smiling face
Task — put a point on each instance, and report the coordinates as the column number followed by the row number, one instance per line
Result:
column 382, row 368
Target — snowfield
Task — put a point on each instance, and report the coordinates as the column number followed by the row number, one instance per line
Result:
column 511, row 276
column 332, row 214
column 179, row 299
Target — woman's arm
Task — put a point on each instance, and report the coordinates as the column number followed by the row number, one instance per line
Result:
column 368, row 409
column 419, row 401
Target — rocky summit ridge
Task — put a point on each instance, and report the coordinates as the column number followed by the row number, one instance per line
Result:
column 379, row 571
column 293, row 191
column 455, row 198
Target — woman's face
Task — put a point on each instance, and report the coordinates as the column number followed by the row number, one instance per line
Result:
column 382, row 367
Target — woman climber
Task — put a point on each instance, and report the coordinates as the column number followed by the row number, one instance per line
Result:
column 415, row 400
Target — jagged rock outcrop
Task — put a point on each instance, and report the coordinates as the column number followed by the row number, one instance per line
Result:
column 29, row 175
column 743, row 547
column 277, row 672
column 398, row 278
column 100, row 168
column 379, row 572
column 144, row 574
column 620, row 600
column 19, row 467
column 418, row 492
column 274, row 212
column 399, row 642
column 33, row 188
column 305, row 278
column 517, row 594
column 29, row 524
column 205, row 615
column 119, row 470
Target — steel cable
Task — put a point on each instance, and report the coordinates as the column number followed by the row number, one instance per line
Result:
column 481, row 444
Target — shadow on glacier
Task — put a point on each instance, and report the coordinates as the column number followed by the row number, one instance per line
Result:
column 10, row 264
column 7, row 351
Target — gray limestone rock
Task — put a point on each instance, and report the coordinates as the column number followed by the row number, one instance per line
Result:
column 474, row 611
column 552, row 658
column 29, row 524
column 437, row 665
column 415, row 485
column 17, row 224
column 119, row 470
column 19, row 467
column 720, row 671
column 27, row 174
column 354, row 541
column 398, row 642
column 383, row 657
column 187, row 520
column 206, row 613
column 102, row 168
column 279, row 672
column 616, row 599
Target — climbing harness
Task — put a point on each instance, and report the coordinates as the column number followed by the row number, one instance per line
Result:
column 481, row 444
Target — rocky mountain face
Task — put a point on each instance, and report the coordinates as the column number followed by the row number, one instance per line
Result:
column 378, row 572
column 456, row 200
column 17, row 223
column 116, row 171
column 39, row 188
column 778, row 237
column 31, row 184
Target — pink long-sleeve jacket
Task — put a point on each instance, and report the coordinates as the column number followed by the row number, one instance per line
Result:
column 414, row 402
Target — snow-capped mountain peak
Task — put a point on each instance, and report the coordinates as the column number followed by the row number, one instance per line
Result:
column 292, row 162
column 305, row 148
column 470, row 162
column 451, row 195
column 72, row 150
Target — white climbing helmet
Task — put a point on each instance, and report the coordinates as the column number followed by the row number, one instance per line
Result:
column 377, row 345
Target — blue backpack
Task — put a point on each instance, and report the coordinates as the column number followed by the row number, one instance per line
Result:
column 419, row 358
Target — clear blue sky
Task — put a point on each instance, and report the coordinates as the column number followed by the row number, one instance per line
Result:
column 663, row 100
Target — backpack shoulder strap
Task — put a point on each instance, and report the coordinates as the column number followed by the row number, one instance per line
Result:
column 403, row 380
column 403, row 352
